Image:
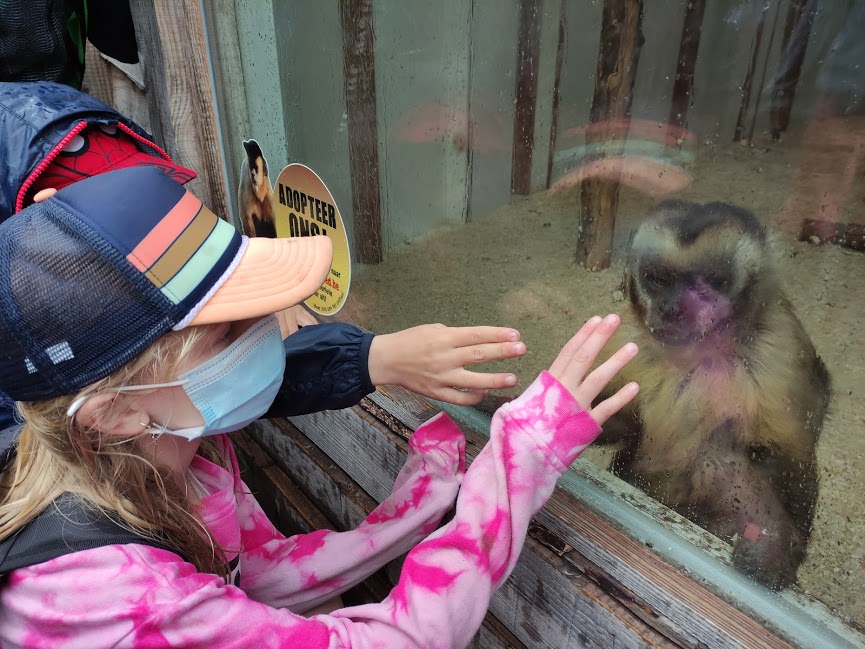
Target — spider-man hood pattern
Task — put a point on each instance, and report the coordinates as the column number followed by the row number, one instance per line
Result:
column 36, row 120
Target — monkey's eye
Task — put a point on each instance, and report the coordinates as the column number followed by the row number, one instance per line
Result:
column 717, row 281
column 660, row 278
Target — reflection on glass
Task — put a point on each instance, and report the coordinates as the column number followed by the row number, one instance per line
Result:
column 518, row 150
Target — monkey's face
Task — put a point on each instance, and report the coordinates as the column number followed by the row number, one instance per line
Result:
column 679, row 305
column 693, row 271
column 256, row 172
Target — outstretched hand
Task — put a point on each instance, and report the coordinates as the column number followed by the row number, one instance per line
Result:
column 573, row 363
column 431, row 359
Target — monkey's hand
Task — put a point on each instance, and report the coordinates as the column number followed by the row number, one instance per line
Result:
column 573, row 363
column 767, row 545
column 431, row 359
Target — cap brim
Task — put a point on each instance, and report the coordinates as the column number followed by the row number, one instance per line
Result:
column 272, row 275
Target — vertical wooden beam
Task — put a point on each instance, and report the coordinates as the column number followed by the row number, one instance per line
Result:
column 620, row 42
column 759, row 95
column 560, row 58
column 358, row 50
column 178, row 84
column 797, row 32
column 749, row 76
column 689, row 45
column 526, row 96
column 230, row 83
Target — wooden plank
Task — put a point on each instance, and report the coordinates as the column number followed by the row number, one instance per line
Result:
column 619, row 54
column 358, row 46
column 290, row 510
column 229, row 80
column 105, row 81
column 526, row 95
column 171, row 43
column 340, row 497
column 686, row 63
column 372, row 455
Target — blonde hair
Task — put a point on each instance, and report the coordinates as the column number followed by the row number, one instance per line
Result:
column 57, row 455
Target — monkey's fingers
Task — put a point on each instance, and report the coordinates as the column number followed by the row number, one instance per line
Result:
column 609, row 407
column 571, row 347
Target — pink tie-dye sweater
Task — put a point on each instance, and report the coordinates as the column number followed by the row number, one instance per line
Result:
column 139, row 596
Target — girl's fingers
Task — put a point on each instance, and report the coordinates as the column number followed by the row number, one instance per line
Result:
column 571, row 347
column 460, row 397
column 481, row 380
column 609, row 407
column 484, row 353
column 598, row 379
column 584, row 357
column 465, row 336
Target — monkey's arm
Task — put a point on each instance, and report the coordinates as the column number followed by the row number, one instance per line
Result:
column 742, row 504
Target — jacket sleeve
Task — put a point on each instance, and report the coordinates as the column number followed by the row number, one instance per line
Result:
column 152, row 599
column 326, row 368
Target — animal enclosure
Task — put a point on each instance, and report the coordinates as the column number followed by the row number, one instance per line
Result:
column 492, row 160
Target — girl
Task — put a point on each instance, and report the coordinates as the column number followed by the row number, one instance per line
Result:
column 136, row 330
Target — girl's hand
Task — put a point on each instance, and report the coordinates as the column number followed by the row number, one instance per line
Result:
column 293, row 318
column 578, row 356
column 431, row 359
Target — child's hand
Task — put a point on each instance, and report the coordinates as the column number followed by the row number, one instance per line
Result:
column 293, row 318
column 430, row 360
column 578, row 356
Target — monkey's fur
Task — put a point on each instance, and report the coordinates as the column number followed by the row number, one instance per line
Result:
column 732, row 392
column 254, row 194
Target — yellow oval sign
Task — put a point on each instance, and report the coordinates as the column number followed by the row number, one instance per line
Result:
column 304, row 207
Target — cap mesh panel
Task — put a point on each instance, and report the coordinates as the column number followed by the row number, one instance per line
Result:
column 89, row 298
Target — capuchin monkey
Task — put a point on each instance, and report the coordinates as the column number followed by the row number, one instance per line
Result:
column 732, row 392
column 254, row 195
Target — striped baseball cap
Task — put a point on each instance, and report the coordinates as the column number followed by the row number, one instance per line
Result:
column 92, row 276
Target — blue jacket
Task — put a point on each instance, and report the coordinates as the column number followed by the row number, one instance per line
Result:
column 326, row 364
column 34, row 118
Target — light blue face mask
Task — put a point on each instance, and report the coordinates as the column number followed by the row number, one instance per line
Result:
column 232, row 389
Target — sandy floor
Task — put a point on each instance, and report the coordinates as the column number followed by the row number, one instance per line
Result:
column 516, row 268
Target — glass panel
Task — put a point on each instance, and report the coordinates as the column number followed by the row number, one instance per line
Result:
column 489, row 154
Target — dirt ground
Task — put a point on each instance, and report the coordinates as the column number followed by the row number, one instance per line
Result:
column 516, row 268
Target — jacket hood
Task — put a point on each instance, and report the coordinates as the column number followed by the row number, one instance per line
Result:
column 35, row 117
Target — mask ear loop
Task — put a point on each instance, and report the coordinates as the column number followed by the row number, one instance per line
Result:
column 75, row 406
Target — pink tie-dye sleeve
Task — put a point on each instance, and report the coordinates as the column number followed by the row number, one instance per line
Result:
column 301, row 572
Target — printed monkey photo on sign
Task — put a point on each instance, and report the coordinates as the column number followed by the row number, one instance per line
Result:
column 254, row 194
